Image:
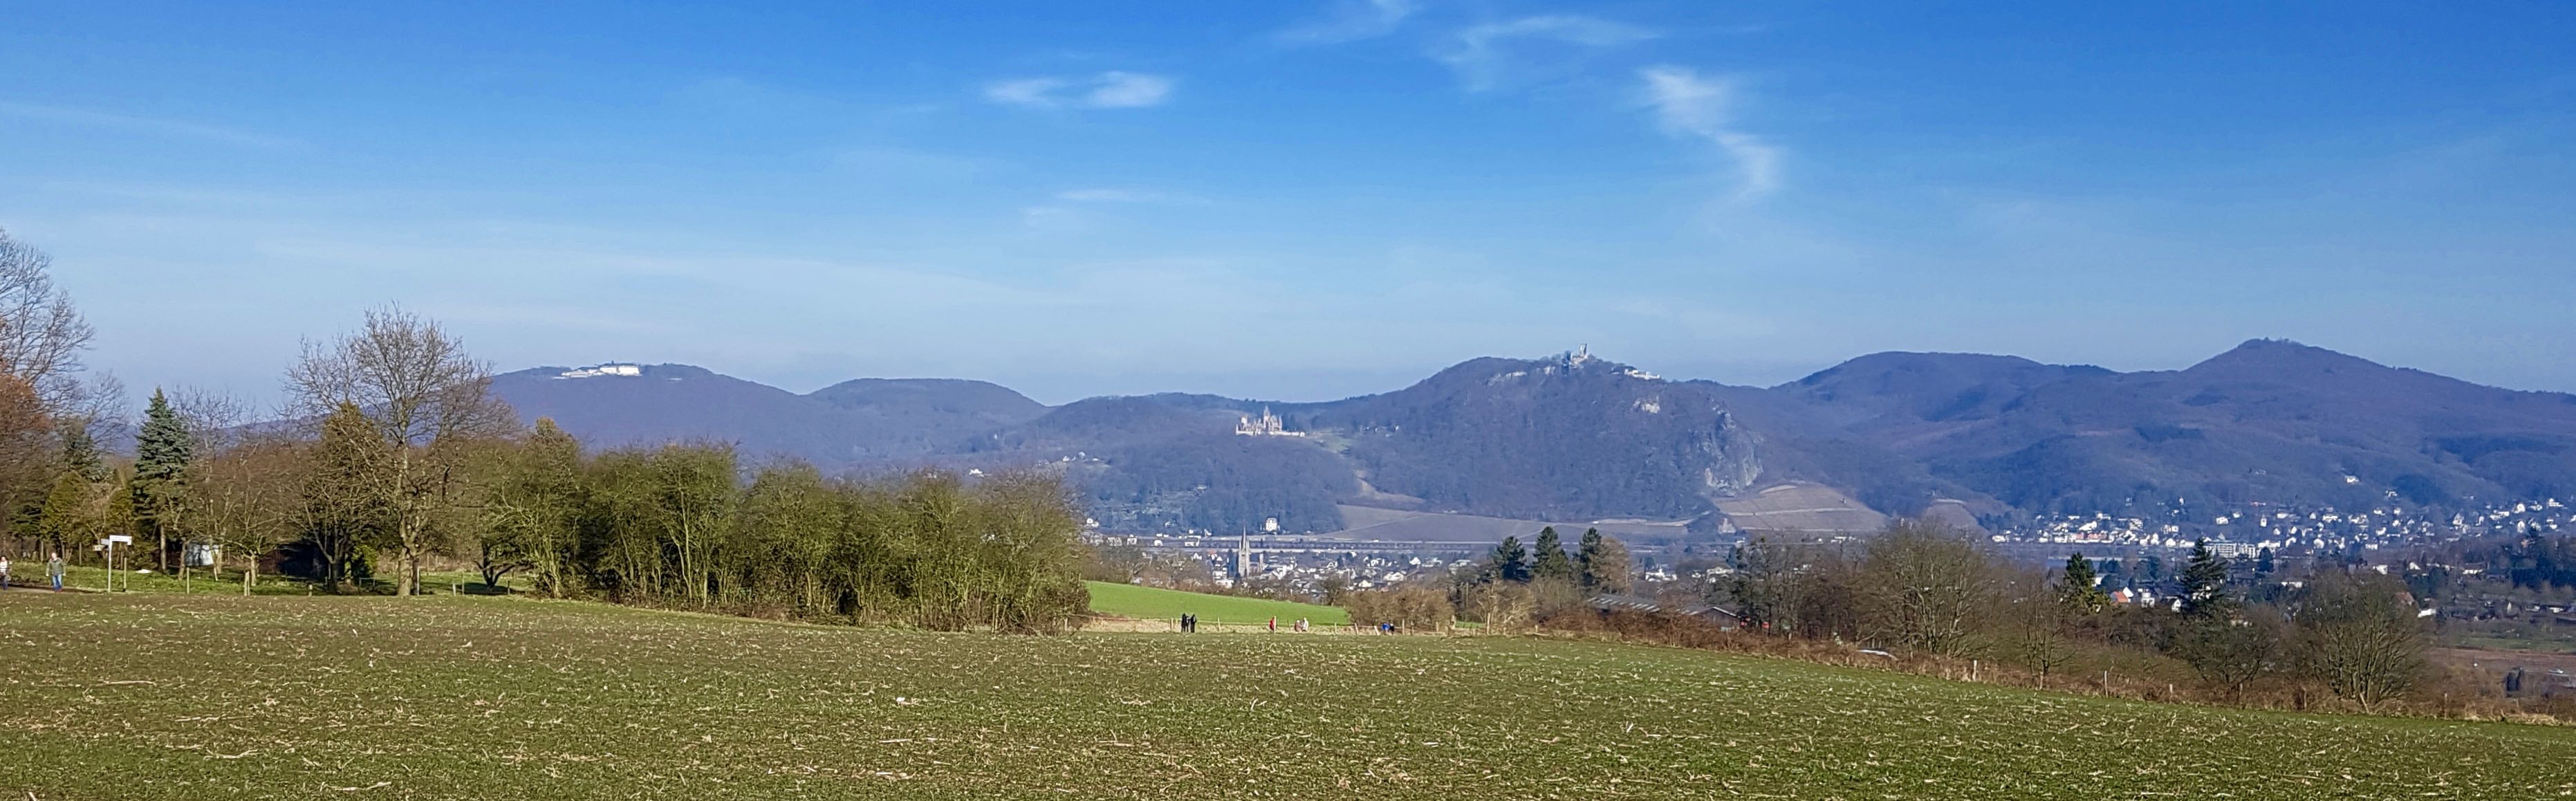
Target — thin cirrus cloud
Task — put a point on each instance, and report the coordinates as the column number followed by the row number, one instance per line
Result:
column 1478, row 53
column 1353, row 20
column 1692, row 105
column 1112, row 89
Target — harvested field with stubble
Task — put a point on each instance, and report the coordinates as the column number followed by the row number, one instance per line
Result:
column 161, row 697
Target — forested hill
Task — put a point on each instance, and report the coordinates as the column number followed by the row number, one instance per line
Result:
column 853, row 423
column 1577, row 437
column 2270, row 421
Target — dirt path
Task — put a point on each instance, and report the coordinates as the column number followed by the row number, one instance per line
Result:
column 2506, row 660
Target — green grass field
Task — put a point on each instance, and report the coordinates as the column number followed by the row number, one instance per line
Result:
column 174, row 697
column 1155, row 603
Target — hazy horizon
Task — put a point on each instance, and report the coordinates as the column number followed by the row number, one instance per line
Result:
column 1397, row 381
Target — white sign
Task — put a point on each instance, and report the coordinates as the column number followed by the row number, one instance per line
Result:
column 121, row 539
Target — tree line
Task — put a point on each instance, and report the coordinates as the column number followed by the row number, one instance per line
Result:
column 676, row 526
column 394, row 456
column 1921, row 588
column 1515, row 586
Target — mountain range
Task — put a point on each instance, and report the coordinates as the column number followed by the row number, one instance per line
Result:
column 1577, row 438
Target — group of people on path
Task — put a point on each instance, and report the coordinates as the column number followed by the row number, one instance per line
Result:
column 1190, row 624
column 53, row 571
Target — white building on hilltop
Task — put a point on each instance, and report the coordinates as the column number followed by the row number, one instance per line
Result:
column 1268, row 425
column 628, row 370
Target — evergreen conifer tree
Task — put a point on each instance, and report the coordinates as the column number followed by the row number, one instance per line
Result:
column 1510, row 563
column 162, row 448
column 2078, row 589
column 68, row 516
column 1548, row 561
column 2204, row 583
column 1604, row 563
column 80, row 453
column 161, row 453
column 2263, row 563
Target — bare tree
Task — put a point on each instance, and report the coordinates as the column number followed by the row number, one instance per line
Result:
column 41, row 339
column 342, row 490
column 2360, row 634
column 247, row 499
column 214, row 418
column 220, row 516
column 1416, row 607
column 1765, row 584
column 2036, row 627
column 1503, row 606
column 1926, row 585
column 41, row 334
column 27, row 453
column 2232, row 653
column 531, row 505
column 428, row 401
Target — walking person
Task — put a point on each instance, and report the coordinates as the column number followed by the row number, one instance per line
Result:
column 1274, row 625
column 4, row 572
column 54, row 570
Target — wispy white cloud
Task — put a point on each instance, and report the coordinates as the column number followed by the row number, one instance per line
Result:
column 1689, row 104
column 1353, row 20
column 143, row 125
column 1024, row 91
column 1129, row 90
column 1112, row 89
column 1479, row 52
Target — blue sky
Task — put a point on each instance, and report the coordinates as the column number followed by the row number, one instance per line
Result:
column 1300, row 200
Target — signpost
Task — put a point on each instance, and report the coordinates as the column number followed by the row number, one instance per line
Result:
column 109, row 545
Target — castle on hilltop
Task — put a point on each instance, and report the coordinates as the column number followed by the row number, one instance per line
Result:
column 1267, row 425
column 596, row 370
column 1582, row 355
